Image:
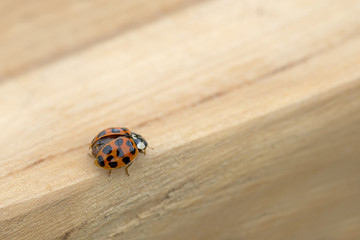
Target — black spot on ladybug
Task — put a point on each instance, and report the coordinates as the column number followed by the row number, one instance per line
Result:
column 126, row 160
column 119, row 142
column 113, row 164
column 124, row 129
column 132, row 149
column 114, row 130
column 109, row 158
column 119, row 153
column 100, row 161
column 101, row 134
column 107, row 149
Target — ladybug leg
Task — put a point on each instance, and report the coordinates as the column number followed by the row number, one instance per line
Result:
column 126, row 169
column 109, row 172
column 143, row 151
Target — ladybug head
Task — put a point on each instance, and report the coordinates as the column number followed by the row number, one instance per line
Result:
column 140, row 142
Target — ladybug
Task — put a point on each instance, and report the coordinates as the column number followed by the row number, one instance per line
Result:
column 117, row 147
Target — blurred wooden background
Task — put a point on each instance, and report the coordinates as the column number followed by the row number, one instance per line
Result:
column 252, row 108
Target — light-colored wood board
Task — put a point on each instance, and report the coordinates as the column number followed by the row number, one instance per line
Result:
column 34, row 33
column 303, row 185
column 238, row 117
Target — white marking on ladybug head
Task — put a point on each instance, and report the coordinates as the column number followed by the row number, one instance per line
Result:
column 141, row 146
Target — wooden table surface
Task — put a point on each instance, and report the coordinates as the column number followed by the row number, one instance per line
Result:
column 252, row 108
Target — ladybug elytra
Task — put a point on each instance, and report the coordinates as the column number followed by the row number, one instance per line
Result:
column 116, row 148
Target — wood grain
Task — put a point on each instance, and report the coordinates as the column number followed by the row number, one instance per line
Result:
column 34, row 33
column 252, row 109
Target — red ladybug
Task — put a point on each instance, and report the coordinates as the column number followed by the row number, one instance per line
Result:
column 116, row 148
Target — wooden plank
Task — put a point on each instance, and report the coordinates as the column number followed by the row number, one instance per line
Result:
column 255, row 129
column 34, row 33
